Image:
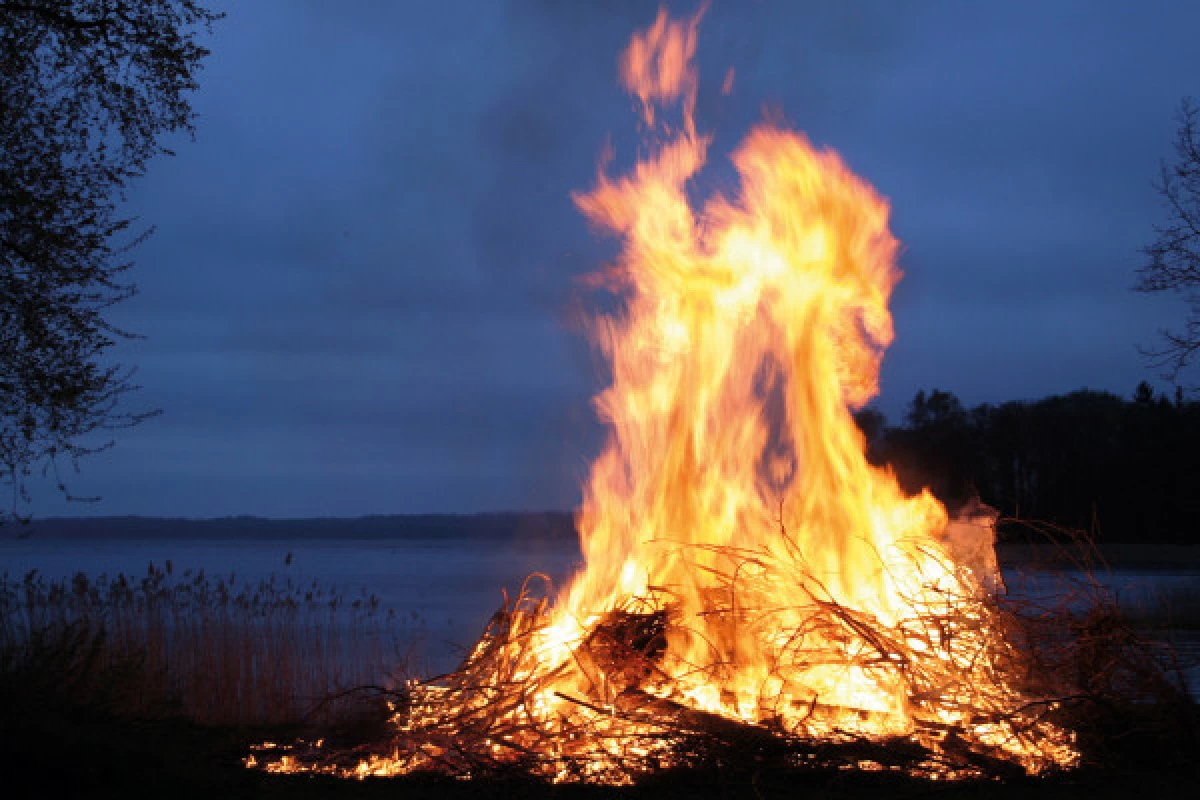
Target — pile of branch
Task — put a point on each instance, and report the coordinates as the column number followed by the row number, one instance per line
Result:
column 1029, row 681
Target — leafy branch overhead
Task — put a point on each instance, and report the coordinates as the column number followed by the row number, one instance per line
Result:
column 88, row 88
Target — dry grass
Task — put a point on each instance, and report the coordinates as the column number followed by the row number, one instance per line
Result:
column 209, row 649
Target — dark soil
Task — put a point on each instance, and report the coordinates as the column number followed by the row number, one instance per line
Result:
column 76, row 753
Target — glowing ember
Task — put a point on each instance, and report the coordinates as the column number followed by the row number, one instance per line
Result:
column 748, row 573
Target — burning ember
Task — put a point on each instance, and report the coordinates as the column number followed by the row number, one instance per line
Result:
column 748, row 575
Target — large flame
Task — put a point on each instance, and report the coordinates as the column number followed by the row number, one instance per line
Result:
column 751, row 328
column 734, row 490
column 743, row 560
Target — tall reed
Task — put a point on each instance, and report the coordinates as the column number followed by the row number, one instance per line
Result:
column 216, row 650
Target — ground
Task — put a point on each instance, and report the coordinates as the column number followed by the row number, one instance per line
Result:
column 64, row 754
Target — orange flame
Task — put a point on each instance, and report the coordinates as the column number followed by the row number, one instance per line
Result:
column 734, row 489
column 802, row 590
column 751, row 328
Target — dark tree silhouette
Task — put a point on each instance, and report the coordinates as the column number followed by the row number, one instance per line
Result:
column 1173, row 260
column 873, row 425
column 934, row 449
column 87, row 89
column 1124, row 470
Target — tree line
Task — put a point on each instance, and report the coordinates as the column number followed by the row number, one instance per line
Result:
column 1122, row 470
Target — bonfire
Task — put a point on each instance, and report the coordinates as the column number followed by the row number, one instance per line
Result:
column 749, row 580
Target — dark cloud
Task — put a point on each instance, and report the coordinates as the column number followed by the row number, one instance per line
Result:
column 360, row 297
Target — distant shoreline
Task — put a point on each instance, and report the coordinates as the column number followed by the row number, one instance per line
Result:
column 516, row 525
column 556, row 527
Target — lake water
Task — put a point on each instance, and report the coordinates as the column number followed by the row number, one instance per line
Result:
column 443, row 590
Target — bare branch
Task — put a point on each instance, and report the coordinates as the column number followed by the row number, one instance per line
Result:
column 1173, row 259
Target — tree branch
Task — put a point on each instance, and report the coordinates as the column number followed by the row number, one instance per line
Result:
column 52, row 16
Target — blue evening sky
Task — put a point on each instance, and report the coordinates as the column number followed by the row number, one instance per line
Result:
column 359, row 296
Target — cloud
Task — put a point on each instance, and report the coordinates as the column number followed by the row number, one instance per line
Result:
column 359, row 298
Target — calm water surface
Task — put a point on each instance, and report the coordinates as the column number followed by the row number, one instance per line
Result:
column 444, row 590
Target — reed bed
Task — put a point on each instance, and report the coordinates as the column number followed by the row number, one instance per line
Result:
column 209, row 648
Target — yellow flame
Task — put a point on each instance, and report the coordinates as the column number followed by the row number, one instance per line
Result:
column 801, row 589
column 751, row 328
column 734, row 486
